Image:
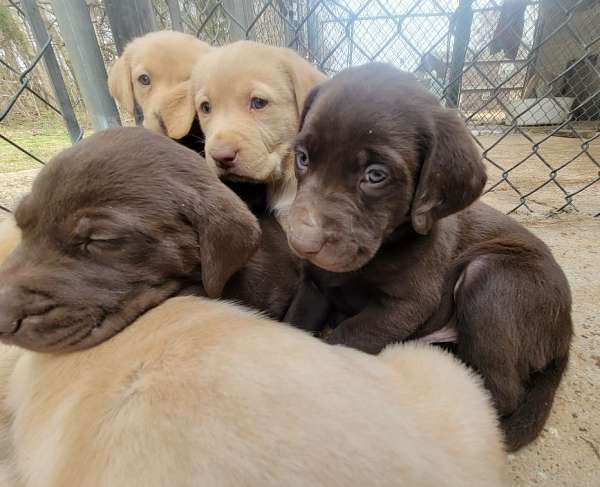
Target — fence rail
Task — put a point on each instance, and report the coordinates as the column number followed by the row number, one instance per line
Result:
column 525, row 74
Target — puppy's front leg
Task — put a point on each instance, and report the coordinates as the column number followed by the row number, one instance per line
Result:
column 380, row 324
column 309, row 307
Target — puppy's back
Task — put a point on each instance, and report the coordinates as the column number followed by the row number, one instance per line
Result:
column 198, row 392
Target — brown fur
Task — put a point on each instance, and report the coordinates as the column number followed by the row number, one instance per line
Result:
column 167, row 58
column 382, row 250
column 261, row 139
column 143, row 218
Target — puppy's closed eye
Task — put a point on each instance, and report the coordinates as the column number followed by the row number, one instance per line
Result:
column 98, row 235
column 98, row 244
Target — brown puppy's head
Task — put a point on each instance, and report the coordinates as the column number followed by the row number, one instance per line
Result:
column 248, row 97
column 155, row 71
column 376, row 152
column 113, row 226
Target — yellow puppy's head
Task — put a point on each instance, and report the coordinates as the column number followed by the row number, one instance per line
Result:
column 248, row 97
column 155, row 71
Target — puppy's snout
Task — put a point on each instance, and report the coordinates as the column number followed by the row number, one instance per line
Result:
column 224, row 155
column 10, row 310
column 306, row 233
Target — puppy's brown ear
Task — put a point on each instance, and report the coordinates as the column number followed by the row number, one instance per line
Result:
column 177, row 110
column 228, row 234
column 452, row 175
column 119, row 84
column 303, row 75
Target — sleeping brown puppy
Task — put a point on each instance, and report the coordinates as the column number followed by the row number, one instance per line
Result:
column 385, row 214
column 154, row 73
column 141, row 218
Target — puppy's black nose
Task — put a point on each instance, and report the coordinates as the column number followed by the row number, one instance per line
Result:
column 10, row 312
column 224, row 156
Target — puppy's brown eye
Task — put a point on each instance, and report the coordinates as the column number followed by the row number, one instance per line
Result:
column 144, row 79
column 258, row 103
column 205, row 107
column 301, row 159
column 375, row 174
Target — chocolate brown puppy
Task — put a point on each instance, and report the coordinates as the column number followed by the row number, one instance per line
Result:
column 386, row 214
column 141, row 218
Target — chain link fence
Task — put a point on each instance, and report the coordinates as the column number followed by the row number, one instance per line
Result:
column 524, row 74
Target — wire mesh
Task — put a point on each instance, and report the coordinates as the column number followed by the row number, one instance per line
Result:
column 524, row 74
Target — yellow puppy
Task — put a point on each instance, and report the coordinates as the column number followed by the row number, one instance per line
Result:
column 154, row 71
column 199, row 392
column 249, row 97
column 10, row 236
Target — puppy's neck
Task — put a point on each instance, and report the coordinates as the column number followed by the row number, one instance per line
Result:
column 281, row 193
column 402, row 234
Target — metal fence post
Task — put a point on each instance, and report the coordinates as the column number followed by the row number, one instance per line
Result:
column 241, row 11
column 53, row 69
column 128, row 20
column 175, row 15
column 462, row 35
column 80, row 40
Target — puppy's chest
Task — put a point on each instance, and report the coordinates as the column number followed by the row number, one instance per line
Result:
column 347, row 293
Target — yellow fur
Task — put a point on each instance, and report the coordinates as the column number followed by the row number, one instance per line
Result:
column 228, row 77
column 199, row 392
column 10, row 236
column 167, row 57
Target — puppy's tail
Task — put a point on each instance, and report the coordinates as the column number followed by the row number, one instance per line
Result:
column 526, row 422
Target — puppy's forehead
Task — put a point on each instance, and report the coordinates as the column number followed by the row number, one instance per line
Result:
column 153, row 52
column 240, row 66
column 369, row 103
column 117, row 167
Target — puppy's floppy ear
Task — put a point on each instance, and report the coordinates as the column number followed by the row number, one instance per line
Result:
column 120, row 85
column 452, row 174
column 177, row 110
column 303, row 75
column 228, row 234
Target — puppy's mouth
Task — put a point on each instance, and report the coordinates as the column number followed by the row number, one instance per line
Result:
column 232, row 176
column 69, row 329
column 249, row 167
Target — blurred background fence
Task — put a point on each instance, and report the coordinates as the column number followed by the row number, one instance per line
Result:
column 525, row 74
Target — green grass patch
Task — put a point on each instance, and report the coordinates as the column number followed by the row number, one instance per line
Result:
column 42, row 140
